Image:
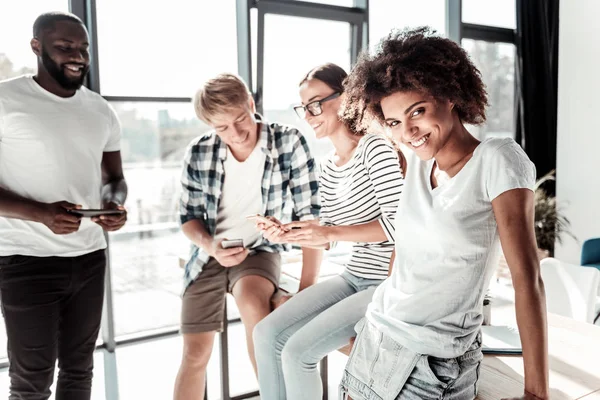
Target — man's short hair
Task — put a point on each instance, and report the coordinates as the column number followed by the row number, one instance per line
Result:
column 221, row 94
column 47, row 21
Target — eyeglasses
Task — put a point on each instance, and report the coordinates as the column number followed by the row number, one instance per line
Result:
column 314, row 107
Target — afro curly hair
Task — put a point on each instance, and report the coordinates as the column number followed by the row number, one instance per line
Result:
column 416, row 60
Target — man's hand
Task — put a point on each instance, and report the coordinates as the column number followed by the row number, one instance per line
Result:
column 112, row 222
column 57, row 218
column 273, row 233
column 228, row 257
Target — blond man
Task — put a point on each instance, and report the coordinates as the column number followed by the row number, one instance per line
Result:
column 244, row 166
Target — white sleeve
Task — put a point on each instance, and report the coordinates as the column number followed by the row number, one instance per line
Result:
column 509, row 168
column 114, row 126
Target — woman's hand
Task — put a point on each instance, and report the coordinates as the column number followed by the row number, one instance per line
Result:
column 306, row 234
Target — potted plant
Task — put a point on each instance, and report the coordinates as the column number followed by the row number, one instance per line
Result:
column 550, row 224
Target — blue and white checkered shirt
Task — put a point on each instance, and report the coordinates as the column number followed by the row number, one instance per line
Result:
column 290, row 173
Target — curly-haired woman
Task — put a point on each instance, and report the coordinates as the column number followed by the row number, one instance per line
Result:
column 463, row 198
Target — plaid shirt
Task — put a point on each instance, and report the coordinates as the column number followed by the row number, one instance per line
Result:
column 289, row 174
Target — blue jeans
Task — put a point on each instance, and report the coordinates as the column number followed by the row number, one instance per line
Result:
column 290, row 342
column 381, row 369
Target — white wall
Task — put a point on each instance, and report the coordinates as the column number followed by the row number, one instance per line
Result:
column 578, row 155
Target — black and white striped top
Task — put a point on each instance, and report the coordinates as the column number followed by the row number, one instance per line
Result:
column 365, row 189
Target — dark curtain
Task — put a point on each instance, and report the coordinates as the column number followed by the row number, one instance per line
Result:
column 537, row 74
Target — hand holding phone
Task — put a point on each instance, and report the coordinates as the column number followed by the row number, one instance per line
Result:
column 229, row 244
column 89, row 213
column 228, row 253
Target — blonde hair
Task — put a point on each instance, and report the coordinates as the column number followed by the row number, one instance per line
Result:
column 224, row 92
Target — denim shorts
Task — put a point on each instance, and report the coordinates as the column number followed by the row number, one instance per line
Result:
column 379, row 368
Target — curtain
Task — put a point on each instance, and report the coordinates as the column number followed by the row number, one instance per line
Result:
column 537, row 74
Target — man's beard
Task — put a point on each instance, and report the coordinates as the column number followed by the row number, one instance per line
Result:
column 59, row 74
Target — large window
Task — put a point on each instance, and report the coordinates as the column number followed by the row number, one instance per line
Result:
column 149, row 53
column 496, row 62
column 498, row 13
column 145, row 254
column 160, row 49
column 16, row 23
column 385, row 15
column 16, row 57
column 293, row 46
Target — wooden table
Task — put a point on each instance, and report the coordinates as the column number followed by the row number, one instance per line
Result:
column 574, row 355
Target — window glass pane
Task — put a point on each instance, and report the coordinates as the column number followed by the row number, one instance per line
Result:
column 164, row 48
column 293, row 46
column 500, row 13
column 343, row 3
column 496, row 61
column 385, row 15
column 145, row 254
column 16, row 23
column 16, row 57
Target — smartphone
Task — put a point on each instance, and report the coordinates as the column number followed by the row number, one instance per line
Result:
column 229, row 244
column 89, row 213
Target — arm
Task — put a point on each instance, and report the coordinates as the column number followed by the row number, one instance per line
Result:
column 114, row 187
column 392, row 260
column 194, row 230
column 383, row 169
column 14, row 206
column 54, row 215
column 514, row 212
column 114, row 191
column 369, row 232
column 191, row 215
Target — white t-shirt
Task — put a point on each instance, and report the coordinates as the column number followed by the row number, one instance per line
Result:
column 51, row 150
column 447, row 247
column 241, row 196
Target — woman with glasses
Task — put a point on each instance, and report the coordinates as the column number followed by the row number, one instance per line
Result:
column 360, row 185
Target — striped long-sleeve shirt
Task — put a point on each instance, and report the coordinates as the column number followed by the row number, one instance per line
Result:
column 365, row 189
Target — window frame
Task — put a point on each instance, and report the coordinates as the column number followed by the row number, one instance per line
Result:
column 457, row 30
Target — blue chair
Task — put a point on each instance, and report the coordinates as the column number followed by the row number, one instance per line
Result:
column 590, row 257
column 590, row 253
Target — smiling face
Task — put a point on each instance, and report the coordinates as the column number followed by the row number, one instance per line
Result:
column 328, row 121
column 63, row 51
column 418, row 121
column 237, row 128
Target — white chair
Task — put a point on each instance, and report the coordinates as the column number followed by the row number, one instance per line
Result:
column 570, row 289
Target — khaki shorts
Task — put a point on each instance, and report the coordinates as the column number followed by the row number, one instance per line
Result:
column 204, row 300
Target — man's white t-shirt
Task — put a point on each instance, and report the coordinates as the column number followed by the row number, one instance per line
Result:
column 51, row 150
column 241, row 196
column 447, row 247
